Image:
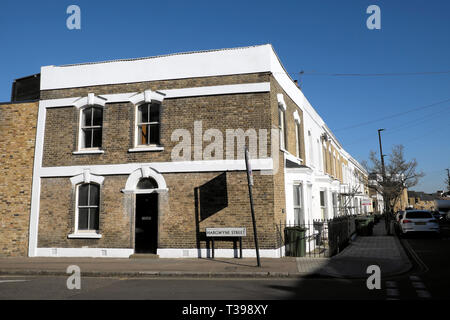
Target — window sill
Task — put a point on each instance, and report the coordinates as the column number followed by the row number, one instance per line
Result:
column 96, row 151
column 146, row 149
column 87, row 235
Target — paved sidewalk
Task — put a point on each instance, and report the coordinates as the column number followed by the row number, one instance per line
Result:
column 108, row 267
column 384, row 251
column 379, row 249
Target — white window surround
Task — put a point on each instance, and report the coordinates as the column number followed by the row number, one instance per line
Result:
column 292, row 158
column 146, row 148
column 82, row 103
column 82, row 234
column 144, row 172
column 142, row 148
column 297, row 133
column 79, row 234
column 147, row 96
column 85, row 177
column 299, row 214
column 282, row 112
column 297, row 140
column 296, row 117
column 90, row 100
column 312, row 160
column 281, row 102
column 89, row 151
column 323, row 202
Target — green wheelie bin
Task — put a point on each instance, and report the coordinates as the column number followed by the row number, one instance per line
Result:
column 295, row 242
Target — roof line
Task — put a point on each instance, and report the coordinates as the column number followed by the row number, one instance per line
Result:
column 163, row 55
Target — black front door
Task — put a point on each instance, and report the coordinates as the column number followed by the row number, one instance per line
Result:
column 146, row 228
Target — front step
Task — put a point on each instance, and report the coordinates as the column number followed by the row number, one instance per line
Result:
column 144, row 256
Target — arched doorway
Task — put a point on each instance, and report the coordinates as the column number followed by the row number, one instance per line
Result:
column 146, row 221
column 145, row 184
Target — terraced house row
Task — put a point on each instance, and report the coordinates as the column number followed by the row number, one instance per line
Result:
column 108, row 159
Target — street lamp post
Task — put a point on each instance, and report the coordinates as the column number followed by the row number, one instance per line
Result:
column 381, row 153
column 383, row 173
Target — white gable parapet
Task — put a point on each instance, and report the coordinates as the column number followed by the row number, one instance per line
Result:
column 169, row 67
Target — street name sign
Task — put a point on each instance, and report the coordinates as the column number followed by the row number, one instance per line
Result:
column 226, row 232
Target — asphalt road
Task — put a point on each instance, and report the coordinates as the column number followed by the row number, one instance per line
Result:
column 185, row 289
column 428, row 280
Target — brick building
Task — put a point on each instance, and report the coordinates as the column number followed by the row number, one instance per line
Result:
column 142, row 155
column 17, row 140
column 422, row 200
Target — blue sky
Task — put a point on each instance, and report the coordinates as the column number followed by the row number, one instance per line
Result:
column 319, row 37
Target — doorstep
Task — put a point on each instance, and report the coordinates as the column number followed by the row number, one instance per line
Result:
column 144, row 256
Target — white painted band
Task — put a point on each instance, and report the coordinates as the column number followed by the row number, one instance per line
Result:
column 161, row 167
column 163, row 253
column 170, row 93
column 219, row 253
column 84, row 252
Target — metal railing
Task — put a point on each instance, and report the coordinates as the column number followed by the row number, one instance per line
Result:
column 319, row 238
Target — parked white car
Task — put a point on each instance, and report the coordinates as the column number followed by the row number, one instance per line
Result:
column 418, row 221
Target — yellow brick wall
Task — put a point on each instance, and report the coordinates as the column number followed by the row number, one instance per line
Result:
column 17, row 141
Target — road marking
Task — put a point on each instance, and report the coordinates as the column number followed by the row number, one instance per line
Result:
column 418, row 285
column 392, row 292
column 421, row 291
column 414, row 255
column 7, row 281
column 391, row 284
column 423, row 294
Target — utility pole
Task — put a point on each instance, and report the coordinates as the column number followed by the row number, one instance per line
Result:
column 250, row 193
column 381, row 154
column 383, row 173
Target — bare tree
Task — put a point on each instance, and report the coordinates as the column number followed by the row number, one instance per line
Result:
column 447, row 181
column 348, row 197
column 399, row 174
